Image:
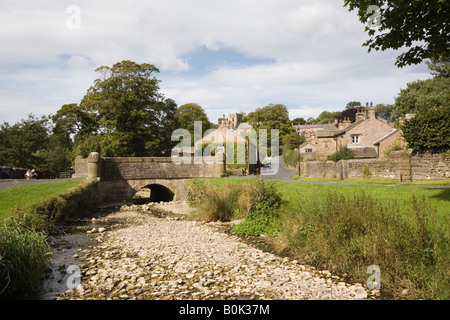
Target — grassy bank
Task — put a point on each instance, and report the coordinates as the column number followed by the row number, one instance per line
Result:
column 27, row 216
column 347, row 228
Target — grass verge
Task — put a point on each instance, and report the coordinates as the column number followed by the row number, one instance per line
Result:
column 347, row 228
column 28, row 216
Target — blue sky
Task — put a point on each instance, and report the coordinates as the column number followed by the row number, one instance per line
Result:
column 225, row 55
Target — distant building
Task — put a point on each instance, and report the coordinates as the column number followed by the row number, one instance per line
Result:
column 367, row 137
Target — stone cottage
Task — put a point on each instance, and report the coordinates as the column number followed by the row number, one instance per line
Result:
column 367, row 137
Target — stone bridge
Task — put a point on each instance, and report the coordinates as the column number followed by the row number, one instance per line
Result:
column 120, row 178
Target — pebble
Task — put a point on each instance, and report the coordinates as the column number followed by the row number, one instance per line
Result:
column 146, row 257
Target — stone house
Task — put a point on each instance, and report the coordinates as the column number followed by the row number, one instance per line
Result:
column 367, row 137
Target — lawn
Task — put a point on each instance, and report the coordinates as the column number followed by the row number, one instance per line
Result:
column 400, row 195
column 32, row 194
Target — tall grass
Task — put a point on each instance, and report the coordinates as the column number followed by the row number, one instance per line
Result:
column 347, row 228
column 24, row 255
column 25, row 228
column 348, row 234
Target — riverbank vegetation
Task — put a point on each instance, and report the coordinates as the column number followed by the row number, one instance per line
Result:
column 28, row 214
column 347, row 228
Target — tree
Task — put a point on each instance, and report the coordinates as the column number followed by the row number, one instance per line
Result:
column 428, row 130
column 421, row 26
column 422, row 95
column 440, row 68
column 350, row 111
column 327, row 117
column 383, row 111
column 273, row 116
column 128, row 110
column 293, row 140
column 298, row 121
column 22, row 141
column 187, row 114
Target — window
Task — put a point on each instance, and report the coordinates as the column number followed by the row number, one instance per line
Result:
column 355, row 139
column 308, row 150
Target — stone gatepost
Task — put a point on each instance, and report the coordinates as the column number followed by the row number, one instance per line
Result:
column 94, row 166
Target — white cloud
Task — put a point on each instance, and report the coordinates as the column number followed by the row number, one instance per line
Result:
column 317, row 61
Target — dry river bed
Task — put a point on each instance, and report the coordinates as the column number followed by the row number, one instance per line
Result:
column 140, row 255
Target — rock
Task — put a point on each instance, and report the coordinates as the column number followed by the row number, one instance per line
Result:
column 360, row 293
column 100, row 230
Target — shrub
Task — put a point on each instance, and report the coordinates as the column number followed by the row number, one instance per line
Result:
column 265, row 200
column 291, row 157
column 344, row 153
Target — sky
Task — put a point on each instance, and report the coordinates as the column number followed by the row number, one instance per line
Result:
column 227, row 56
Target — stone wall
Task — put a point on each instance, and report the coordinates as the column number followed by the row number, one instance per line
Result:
column 134, row 168
column 430, row 166
column 397, row 166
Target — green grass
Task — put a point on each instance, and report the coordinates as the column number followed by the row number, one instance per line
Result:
column 346, row 228
column 27, row 196
column 384, row 181
column 27, row 216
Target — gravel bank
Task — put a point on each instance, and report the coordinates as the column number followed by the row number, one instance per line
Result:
column 148, row 256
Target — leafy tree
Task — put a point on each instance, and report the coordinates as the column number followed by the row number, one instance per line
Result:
column 293, row 140
column 421, row 26
column 298, row 121
column 428, row 130
column 273, row 116
column 350, row 111
column 422, row 95
column 384, row 111
column 127, row 110
column 21, row 142
column 440, row 67
column 187, row 114
column 327, row 117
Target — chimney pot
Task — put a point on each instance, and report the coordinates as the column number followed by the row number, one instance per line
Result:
column 367, row 104
column 371, row 104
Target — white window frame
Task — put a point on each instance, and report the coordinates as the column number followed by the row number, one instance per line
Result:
column 355, row 139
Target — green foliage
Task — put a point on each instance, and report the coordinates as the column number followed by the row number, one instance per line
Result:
column 391, row 149
column 429, row 130
column 271, row 117
column 24, row 255
column 195, row 192
column 404, row 23
column 353, row 232
column 29, row 144
column 122, row 114
column 422, row 95
column 291, row 157
column 265, row 202
column 185, row 116
column 366, row 173
column 293, row 140
column 344, row 153
column 24, row 250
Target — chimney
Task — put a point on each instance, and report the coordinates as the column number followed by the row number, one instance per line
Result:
column 371, row 111
column 346, row 122
column 341, row 125
column 360, row 114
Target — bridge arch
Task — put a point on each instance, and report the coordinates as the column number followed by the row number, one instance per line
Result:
column 161, row 189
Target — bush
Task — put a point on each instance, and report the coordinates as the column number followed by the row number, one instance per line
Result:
column 265, row 200
column 291, row 157
column 344, row 153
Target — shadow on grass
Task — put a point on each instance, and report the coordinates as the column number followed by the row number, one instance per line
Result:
column 443, row 195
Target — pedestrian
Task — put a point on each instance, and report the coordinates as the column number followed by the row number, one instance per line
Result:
column 28, row 174
column 33, row 174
